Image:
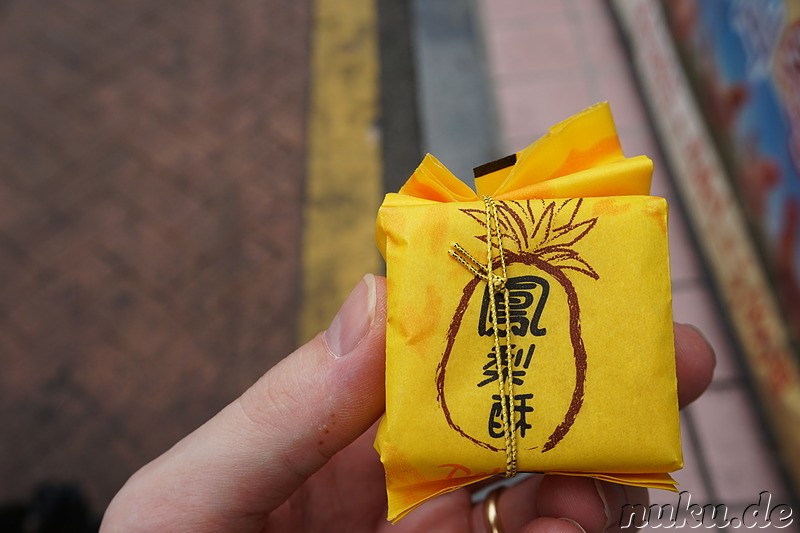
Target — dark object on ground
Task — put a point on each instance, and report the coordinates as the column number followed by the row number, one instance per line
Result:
column 54, row 508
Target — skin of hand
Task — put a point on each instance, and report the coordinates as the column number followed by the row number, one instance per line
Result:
column 294, row 452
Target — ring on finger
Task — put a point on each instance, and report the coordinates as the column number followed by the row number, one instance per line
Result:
column 491, row 511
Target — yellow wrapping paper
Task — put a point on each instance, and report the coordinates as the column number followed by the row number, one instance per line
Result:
column 588, row 321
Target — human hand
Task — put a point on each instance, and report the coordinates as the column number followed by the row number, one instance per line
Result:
column 294, row 452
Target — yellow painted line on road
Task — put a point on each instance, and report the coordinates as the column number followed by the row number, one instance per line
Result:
column 343, row 183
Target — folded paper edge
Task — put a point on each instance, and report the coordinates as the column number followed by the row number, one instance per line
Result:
column 663, row 481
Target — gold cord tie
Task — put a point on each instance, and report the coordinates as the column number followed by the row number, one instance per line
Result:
column 497, row 284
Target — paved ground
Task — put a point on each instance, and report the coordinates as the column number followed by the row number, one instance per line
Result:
column 151, row 173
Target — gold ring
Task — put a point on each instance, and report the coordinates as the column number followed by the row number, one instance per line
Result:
column 491, row 511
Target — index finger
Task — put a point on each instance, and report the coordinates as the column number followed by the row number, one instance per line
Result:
column 694, row 363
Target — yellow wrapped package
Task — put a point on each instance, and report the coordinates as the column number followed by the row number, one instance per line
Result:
column 529, row 325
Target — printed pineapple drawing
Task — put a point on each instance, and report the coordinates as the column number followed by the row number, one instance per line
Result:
column 544, row 244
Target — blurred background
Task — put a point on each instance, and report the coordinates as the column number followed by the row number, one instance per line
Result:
column 188, row 192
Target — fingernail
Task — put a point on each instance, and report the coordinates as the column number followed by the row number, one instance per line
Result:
column 574, row 523
column 696, row 330
column 352, row 322
column 705, row 339
column 613, row 498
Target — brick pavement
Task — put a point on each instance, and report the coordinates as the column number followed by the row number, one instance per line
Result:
column 151, row 173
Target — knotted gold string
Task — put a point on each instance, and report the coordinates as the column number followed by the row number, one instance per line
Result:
column 496, row 284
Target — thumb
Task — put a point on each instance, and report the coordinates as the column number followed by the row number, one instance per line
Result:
column 255, row 453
